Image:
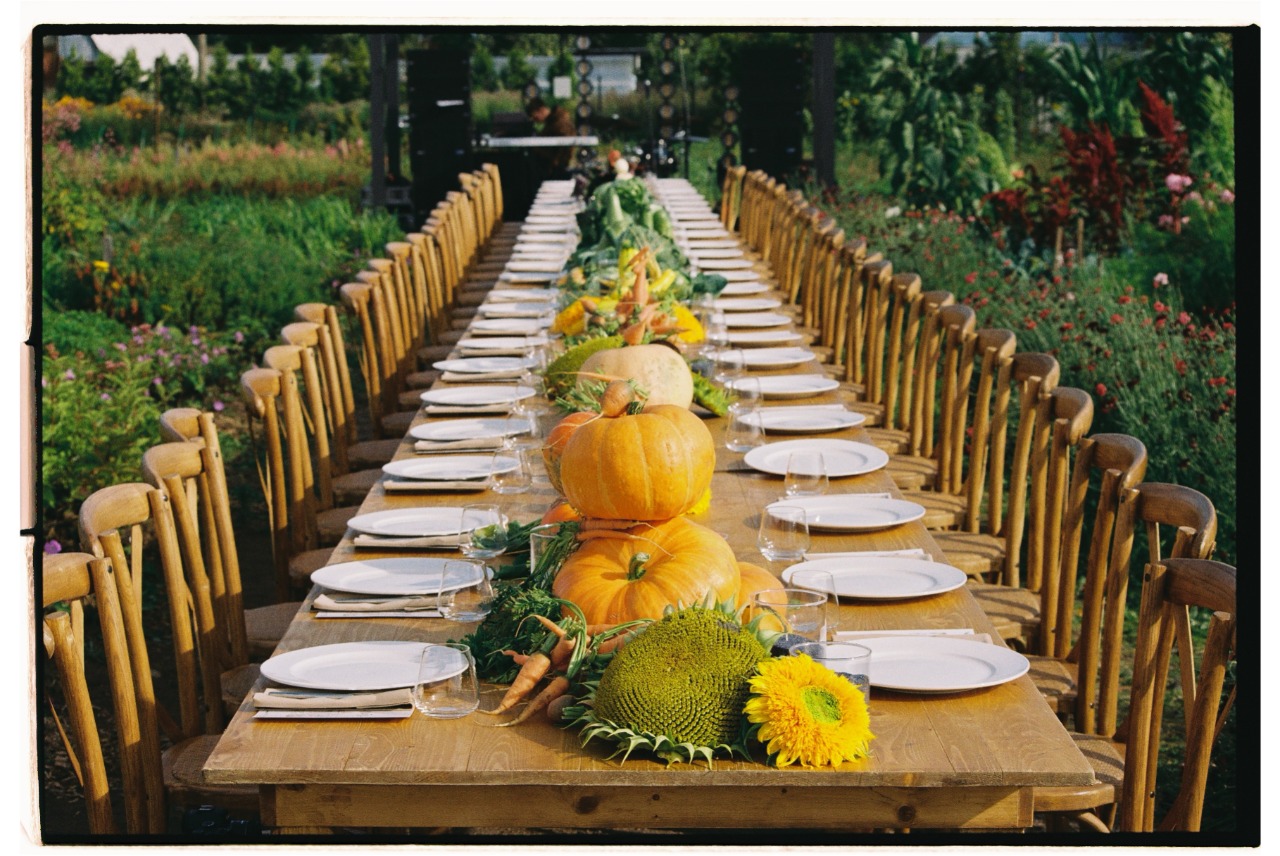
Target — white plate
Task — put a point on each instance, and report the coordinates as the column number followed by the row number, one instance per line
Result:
column 518, row 277
column 448, row 468
column 694, row 233
column 396, row 577
column 772, row 358
column 562, row 227
column 793, row 420
column 697, row 245
column 940, row 664
column 543, row 239
column 715, row 253
column 517, row 295
column 357, row 666
column 745, row 304
column 756, row 319
column 880, row 578
column 757, row 338
column 852, row 512
column 796, row 386
column 737, row 275
column 694, row 218
column 716, row 265
column 736, row 289
column 507, row 326
column 505, row 309
column 482, row 365
column 410, row 522
column 468, row 429
column 478, row 396
column 841, row 457
column 534, row 266
column 501, row 343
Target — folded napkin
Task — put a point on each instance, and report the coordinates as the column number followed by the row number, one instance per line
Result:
column 914, row 552
column 481, row 377
column 957, row 632
column 384, row 542
column 429, row 446
column 492, row 352
column 801, row 408
column 418, row 485
column 466, row 410
column 366, row 603
column 291, row 699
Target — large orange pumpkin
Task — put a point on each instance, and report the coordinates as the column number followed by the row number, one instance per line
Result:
column 638, row 572
column 651, row 465
column 553, row 449
column 753, row 579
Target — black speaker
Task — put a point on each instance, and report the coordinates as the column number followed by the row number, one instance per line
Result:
column 772, row 91
column 439, row 104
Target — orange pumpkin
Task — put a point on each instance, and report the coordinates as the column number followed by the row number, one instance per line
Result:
column 553, row 449
column 651, row 465
column 753, row 579
column 623, row 575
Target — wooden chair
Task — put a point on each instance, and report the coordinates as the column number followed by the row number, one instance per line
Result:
column 364, row 302
column 731, row 196
column 72, row 582
column 197, row 466
column 1125, row 758
column 286, row 484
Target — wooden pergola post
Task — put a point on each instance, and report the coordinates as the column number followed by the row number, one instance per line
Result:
column 824, row 107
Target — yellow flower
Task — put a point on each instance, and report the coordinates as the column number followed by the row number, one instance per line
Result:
column 693, row 331
column 99, row 264
column 571, row 320
column 703, row 503
column 807, row 713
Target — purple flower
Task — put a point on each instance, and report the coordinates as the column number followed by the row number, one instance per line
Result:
column 204, row 359
column 52, row 546
column 69, row 374
column 218, row 406
column 121, row 346
column 137, row 340
column 1227, row 196
column 195, row 340
column 1177, row 183
column 105, row 396
column 44, row 381
column 239, row 337
column 156, row 381
column 1159, row 280
column 193, row 330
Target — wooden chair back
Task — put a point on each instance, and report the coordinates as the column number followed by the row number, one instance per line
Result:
column 978, row 473
column 731, row 196
column 896, row 337
column 846, row 270
column 1061, row 423
column 333, row 353
column 359, row 298
column 302, row 403
column 495, row 179
column 70, row 583
column 1170, row 589
column 314, row 338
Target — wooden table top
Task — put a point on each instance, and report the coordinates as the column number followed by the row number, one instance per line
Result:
column 953, row 760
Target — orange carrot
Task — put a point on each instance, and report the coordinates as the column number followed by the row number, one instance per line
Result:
column 562, row 652
column 550, row 625
column 559, row 686
column 613, row 643
column 519, row 658
column 530, row 673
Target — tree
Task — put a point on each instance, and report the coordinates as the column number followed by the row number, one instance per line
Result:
column 176, row 84
column 345, row 73
column 281, row 84
column 73, row 77
column 518, row 71
column 129, row 74
column 219, row 85
column 484, row 74
column 305, row 72
column 101, row 82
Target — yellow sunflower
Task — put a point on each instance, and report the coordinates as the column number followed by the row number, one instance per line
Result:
column 807, row 713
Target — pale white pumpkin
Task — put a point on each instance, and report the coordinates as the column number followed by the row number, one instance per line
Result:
column 657, row 369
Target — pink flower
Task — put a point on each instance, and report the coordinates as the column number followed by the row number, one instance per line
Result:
column 1117, row 318
column 218, row 406
column 1160, row 307
column 69, row 374
column 1177, row 183
column 1165, row 221
column 1227, row 196
column 971, row 278
column 1160, row 279
column 105, row 396
column 52, row 546
column 239, row 337
column 1184, row 318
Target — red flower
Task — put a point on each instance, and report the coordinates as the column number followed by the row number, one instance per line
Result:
column 1068, row 326
column 1181, row 366
column 1184, row 318
column 1159, row 323
column 971, row 278
column 1124, row 298
column 1217, row 381
column 1101, row 389
column 1029, row 324
column 1044, row 313
column 1231, row 393
column 1117, row 318
column 1160, row 307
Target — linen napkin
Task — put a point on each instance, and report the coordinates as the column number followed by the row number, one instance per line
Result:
column 362, row 606
column 914, row 552
column 957, row 632
column 492, row 352
column 418, row 485
column 466, row 410
column 280, row 698
column 481, row 377
column 426, row 447
column 387, row 542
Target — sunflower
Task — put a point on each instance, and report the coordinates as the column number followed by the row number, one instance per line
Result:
column 807, row 713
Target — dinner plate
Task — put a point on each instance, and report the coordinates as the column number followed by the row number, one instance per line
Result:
column 796, row 420
column 693, row 234
column 410, row 522
column 501, row 343
column 756, row 319
column 940, row 664
column 468, row 429
column 544, row 239
column 795, row 386
column 530, row 277
column 840, row 457
column 745, row 304
column 724, row 264
column 478, row 396
column 503, row 309
column 519, row 295
column 448, row 468
column 878, row 577
column 713, row 253
column 560, row 227
column 757, row 338
column 853, row 512
column 736, row 275
column 507, row 326
column 697, row 245
column 358, row 666
column 771, row 358
column 535, row 266
column 734, row 289
column 483, row 365
column 694, row 218
column 397, row 577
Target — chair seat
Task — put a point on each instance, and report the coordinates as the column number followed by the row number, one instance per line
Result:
column 1015, row 612
column 976, row 553
column 891, row 440
column 912, row 472
column 397, row 424
column 1056, row 680
column 418, row 381
column 431, row 353
column 236, row 684
column 372, row 453
column 352, row 488
column 183, row 769
column 265, row 626
column 1106, row 756
column 873, row 412
column 331, row 524
column 304, row 564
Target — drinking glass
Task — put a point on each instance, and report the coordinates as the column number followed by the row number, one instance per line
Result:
column 784, row 533
column 821, row 581
column 743, row 432
column 797, row 615
column 717, row 330
column 443, row 689
column 806, row 474
column 484, row 531
column 746, row 390
column 539, row 539
column 515, row 480
column 470, row 602
column 731, row 366
column 847, row 659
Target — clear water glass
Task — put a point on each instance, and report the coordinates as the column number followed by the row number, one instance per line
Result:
column 796, row 615
column 847, row 659
column 731, row 367
column 783, row 534
column 806, row 474
column 539, row 539
column 442, row 690
column 743, row 432
column 484, row 531
column 470, row 602
column 513, row 480
column 820, row 581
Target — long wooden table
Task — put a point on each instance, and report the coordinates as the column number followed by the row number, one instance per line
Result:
column 963, row 760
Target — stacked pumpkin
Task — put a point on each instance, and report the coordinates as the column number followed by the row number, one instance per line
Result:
column 631, row 471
